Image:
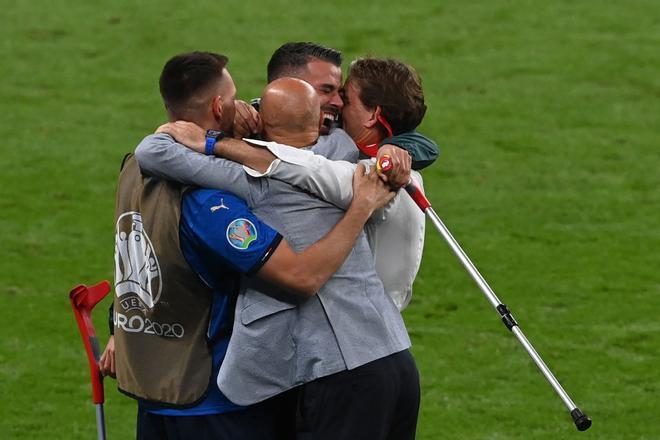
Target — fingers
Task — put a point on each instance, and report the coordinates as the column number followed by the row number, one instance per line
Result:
column 252, row 118
column 358, row 180
column 368, row 188
column 106, row 364
column 260, row 124
column 241, row 127
column 107, row 360
column 246, row 119
column 165, row 128
column 113, row 371
column 387, row 197
column 401, row 162
column 174, row 129
column 370, row 175
column 186, row 133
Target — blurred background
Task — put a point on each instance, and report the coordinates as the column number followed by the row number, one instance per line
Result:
column 547, row 118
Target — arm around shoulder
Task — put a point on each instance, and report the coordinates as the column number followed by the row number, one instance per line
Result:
column 424, row 150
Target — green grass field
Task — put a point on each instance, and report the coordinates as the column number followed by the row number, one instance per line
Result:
column 547, row 115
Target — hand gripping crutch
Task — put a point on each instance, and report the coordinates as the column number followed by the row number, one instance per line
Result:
column 582, row 421
column 83, row 300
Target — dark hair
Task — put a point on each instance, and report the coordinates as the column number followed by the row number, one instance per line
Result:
column 394, row 86
column 291, row 57
column 188, row 75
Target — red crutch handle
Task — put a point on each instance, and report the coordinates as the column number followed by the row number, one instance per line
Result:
column 83, row 299
column 384, row 164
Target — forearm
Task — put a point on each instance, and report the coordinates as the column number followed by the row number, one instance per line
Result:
column 241, row 152
column 161, row 156
column 310, row 270
column 326, row 179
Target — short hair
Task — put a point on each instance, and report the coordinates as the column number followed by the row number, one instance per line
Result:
column 394, row 86
column 187, row 76
column 289, row 58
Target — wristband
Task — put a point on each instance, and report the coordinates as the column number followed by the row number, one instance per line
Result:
column 209, row 146
column 212, row 136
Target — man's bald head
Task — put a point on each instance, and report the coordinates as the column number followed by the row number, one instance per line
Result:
column 290, row 111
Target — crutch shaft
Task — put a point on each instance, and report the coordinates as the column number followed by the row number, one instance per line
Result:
column 544, row 368
column 490, row 295
column 100, row 421
column 458, row 251
column 582, row 422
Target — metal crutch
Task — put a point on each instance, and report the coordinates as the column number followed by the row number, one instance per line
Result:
column 581, row 420
column 83, row 299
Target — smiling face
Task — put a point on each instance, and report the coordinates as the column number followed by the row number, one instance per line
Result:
column 325, row 77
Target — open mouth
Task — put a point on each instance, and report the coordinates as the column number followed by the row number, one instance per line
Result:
column 330, row 116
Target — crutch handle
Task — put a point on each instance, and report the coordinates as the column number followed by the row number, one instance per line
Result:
column 384, row 165
column 83, row 299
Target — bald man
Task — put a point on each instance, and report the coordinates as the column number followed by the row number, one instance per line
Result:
column 347, row 345
column 290, row 111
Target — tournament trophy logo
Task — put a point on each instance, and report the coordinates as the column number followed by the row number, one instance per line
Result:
column 137, row 272
column 240, row 233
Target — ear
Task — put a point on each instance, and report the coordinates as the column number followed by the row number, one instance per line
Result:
column 373, row 120
column 216, row 107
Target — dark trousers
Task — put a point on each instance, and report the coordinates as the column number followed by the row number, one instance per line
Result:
column 272, row 419
column 377, row 401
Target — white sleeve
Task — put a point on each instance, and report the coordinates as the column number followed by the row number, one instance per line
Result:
column 329, row 180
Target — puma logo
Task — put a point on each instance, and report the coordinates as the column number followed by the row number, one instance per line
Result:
column 220, row 206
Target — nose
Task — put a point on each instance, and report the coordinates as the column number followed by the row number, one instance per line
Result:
column 336, row 100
